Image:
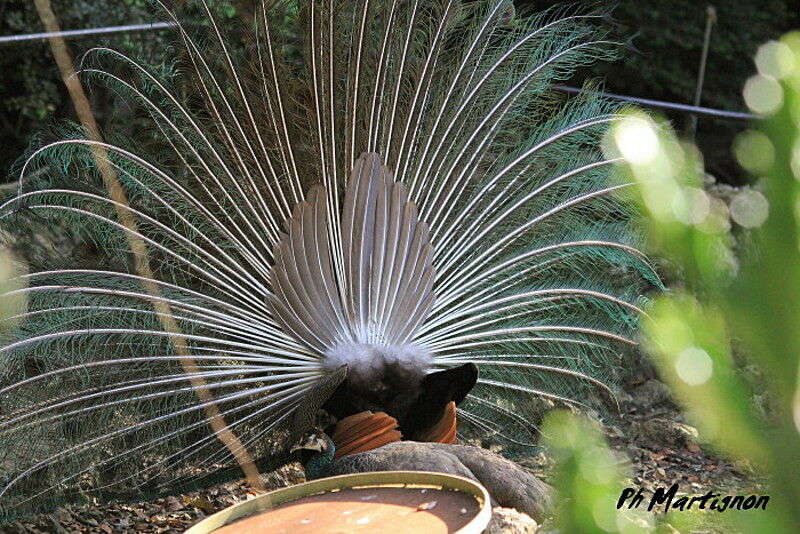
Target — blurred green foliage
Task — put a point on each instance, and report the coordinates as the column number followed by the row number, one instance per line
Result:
column 755, row 302
column 587, row 478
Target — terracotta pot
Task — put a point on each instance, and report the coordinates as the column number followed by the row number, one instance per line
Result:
column 404, row 502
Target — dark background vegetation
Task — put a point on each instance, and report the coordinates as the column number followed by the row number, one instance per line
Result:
column 667, row 38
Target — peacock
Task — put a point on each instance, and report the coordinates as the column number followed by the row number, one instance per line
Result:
column 379, row 212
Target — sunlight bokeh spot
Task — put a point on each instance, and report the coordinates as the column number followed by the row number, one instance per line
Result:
column 762, row 94
column 718, row 218
column 711, row 422
column 636, row 140
column 694, row 366
column 691, row 206
column 775, row 59
column 795, row 161
column 754, row 151
column 632, row 522
column 599, row 467
column 749, row 208
column 604, row 513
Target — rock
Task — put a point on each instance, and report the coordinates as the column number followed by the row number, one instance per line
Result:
column 639, row 369
column 173, row 504
column 651, row 394
column 613, row 431
column 510, row 521
column 665, row 433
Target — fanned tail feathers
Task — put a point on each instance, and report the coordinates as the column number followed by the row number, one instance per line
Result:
column 386, row 252
column 340, row 184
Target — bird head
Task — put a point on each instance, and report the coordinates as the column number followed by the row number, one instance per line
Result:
column 315, row 440
column 316, row 452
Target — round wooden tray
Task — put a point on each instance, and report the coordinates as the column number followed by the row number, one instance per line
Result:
column 381, row 481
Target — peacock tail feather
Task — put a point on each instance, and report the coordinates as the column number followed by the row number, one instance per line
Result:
column 498, row 236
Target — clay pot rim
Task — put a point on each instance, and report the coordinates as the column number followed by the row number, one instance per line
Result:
column 411, row 479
